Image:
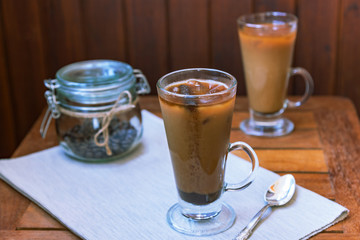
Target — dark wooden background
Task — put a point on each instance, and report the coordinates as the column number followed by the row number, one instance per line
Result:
column 37, row 37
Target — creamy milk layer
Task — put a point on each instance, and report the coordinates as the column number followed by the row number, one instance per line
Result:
column 267, row 57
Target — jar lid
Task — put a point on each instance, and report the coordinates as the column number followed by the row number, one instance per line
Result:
column 94, row 75
column 93, row 82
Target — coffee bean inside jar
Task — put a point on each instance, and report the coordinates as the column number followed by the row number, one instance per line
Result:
column 96, row 107
column 79, row 139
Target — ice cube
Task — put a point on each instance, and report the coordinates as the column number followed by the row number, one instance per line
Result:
column 175, row 90
column 216, row 88
column 192, row 82
column 197, row 87
column 185, row 90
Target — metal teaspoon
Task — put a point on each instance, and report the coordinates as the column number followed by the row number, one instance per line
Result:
column 278, row 194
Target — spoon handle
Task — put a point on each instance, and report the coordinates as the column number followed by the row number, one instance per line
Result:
column 246, row 232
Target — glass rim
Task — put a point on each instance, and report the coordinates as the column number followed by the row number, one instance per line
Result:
column 229, row 89
column 244, row 19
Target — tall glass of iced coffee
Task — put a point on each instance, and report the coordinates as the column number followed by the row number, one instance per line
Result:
column 267, row 45
column 197, row 108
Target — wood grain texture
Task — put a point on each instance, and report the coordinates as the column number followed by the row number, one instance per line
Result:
column 104, row 29
column 36, row 218
column 189, row 33
column 336, row 236
column 25, row 52
column 341, row 150
column 301, row 139
column 7, row 127
column 274, row 5
column 37, row 235
column 147, row 43
column 316, row 44
column 319, row 183
column 12, row 206
column 290, row 160
column 349, row 51
column 39, row 143
column 63, row 35
column 293, row 160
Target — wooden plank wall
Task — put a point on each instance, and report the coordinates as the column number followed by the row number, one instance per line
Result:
column 38, row 37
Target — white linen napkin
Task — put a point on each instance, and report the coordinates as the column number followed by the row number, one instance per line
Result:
column 129, row 198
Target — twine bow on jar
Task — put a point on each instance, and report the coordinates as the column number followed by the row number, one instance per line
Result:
column 106, row 119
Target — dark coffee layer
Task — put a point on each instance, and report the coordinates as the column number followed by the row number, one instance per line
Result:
column 199, row 199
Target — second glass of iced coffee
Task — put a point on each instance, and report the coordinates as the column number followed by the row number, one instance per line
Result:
column 267, row 43
column 197, row 107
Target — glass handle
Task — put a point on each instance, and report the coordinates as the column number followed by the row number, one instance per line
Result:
column 254, row 162
column 142, row 84
column 309, row 86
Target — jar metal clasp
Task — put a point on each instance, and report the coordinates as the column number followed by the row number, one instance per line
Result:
column 52, row 110
column 142, row 85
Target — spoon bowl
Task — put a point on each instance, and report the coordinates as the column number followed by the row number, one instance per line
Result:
column 278, row 194
column 281, row 191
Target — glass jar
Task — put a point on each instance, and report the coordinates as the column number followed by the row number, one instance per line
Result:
column 96, row 109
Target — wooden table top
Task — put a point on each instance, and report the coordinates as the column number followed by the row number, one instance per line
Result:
column 323, row 153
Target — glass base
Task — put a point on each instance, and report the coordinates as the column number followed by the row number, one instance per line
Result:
column 204, row 227
column 278, row 128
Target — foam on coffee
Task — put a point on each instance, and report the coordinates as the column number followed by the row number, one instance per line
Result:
column 196, row 87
